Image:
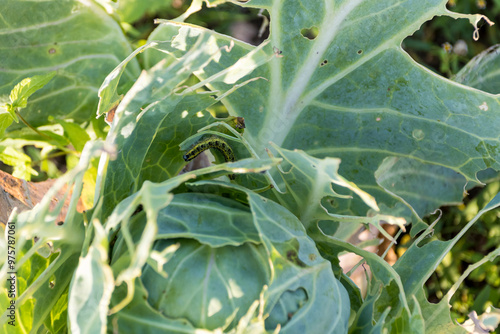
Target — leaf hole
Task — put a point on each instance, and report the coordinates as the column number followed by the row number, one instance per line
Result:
column 310, row 33
column 52, row 282
column 329, row 203
column 324, row 62
column 360, row 51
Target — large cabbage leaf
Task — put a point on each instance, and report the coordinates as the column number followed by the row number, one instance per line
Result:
column 75, row 38
column 340, row 85
column 211, row 277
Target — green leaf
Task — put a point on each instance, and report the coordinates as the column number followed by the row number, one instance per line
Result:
column 135, row 137
column 47, row 295
column 482, row 72
column 362, row 99
column 224, row 296
column 144, row 148
column 208, row 286
column 209, row 219
column 364, row 316
column 76, row 39
column 45, row 266
column 132, row 10
column 381, row 270
column 20, row 161
column 304, row 290
column 134, row 317
column 299, row 269
column 419, row 262
column 413, row 323
column 108, row 92
column 408, row 179
column 91, row 288
column 163, row 112
column 45, row 136
column 304, row 174
column 77, row 136
column 437, row 316
column 56, row 322
column 317, row 177
column 151, row 197
column 24, row 89
column 210, row 276
column 5, row 120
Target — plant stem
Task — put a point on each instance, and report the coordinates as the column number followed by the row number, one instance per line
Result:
column 58, row 154
column 31, row 127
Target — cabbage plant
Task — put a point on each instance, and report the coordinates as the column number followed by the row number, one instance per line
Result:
column 330, row 126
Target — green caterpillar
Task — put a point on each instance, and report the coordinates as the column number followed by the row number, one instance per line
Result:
column 211, row 142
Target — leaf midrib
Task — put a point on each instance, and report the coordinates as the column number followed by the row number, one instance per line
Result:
column 290, row 107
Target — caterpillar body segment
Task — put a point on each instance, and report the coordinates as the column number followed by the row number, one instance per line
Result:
column 212, row 142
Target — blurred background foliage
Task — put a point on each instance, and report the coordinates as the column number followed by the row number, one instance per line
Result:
column 443, row 45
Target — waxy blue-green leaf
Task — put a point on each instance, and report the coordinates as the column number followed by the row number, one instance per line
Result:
column 437, row 316
column 91, row 287
column 304, row 174
column 143, row 152
column 212, row 220
column 351, row 92
column 208, row 286
column 483, row 71
column 412, row 270
column 419, row 262
column 408, row 179
column 319, row 302
column 76, row 38
column 303, row 296
column 108, row 92
column 139, row 316
column 402, row 176
column 151, row 198
column 157, row 113
column 135, row 136
column 300, row 282
column 211, row 284
column 308, row 181
column 235, row 60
